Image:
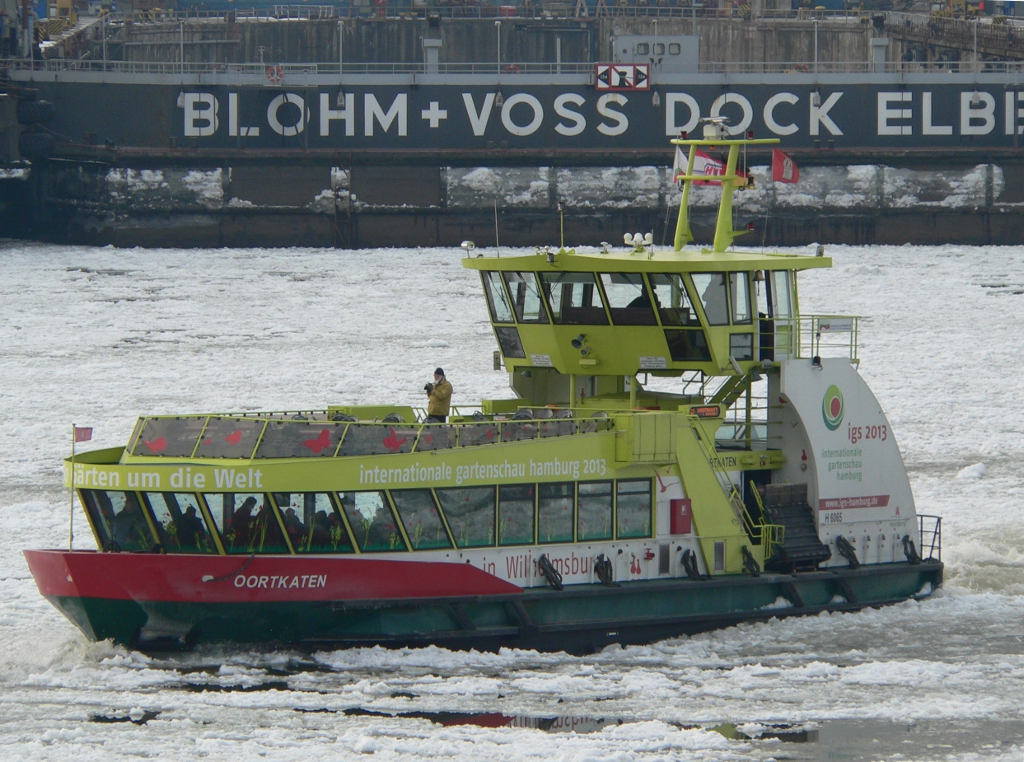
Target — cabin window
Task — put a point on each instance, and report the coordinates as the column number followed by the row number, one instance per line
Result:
column 118, row 519
column 230, row 438
column 672, row 300
column 169, row 437
column 781, row 299
column 300, row 439
column 574, row 298
column 627, row 299
column 595, row 511
column 313, row 523
column 688, row 346
column 509, row 341
column 633, row 509
column 741, row 346
column 659, row 48
column 526, row 297
column 711, row 289
column 739, row 289
column 555, row 512
column 674, row 48
column 180, row 522
column 246, row 522
column 497, row 300
column 372, row 522
column 515, row 514
column 643, row 49
column 421, row 519
column 470, row 514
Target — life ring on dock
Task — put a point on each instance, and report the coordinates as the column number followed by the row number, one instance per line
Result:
column 275, row 74
column 511, row 69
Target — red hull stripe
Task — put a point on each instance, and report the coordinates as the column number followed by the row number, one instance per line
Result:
column 239, row 579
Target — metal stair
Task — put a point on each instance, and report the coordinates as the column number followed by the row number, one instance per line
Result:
column 786, row 504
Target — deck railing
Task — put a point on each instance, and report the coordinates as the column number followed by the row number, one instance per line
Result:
column 930, row 529
column 261, row 436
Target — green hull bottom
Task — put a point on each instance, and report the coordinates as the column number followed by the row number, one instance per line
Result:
column 578, row 619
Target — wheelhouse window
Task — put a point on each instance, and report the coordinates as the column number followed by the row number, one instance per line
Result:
column 509, row 341
column 781, row 295
column 710, row 287
column 246, row 522
column 526, row 297
column 497, row 299
column 633, row 509
column 741, row 346
column 595, row 511
column 118, row 519
column 313, row 523
column 180, row 522
column 372, row 522
column 673, row 300
column 574, row 298
column 739, row 291
column 555, row 512
column 421, row 519
column 470, row 514
column 515, row 514
column 688, row 345
column 627, row 299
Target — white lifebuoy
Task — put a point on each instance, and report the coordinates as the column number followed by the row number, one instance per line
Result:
column 275, row 74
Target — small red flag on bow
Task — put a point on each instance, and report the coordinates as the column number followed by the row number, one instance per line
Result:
column 784, row 169
column 83, row 433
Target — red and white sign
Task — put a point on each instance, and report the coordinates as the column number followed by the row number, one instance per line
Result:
column 702, row 165
column 784, row 169
column 613, row 77
column 83, row 433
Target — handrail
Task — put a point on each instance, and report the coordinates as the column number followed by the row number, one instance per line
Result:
column 767, row 534
column 933, row 542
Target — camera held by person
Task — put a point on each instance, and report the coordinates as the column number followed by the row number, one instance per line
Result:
column 428, row 388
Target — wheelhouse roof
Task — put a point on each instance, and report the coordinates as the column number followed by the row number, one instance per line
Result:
column 660, row 259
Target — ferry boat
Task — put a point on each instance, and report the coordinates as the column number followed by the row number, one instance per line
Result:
column 590, row 508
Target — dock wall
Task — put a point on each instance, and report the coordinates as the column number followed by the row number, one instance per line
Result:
column 430, row 206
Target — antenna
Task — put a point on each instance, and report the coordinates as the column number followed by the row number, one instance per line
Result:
column 561, row 225
column 497, row 245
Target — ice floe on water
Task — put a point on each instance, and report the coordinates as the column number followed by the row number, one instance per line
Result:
column 98, row 336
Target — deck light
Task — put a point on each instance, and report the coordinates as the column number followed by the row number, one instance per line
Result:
column 976, row 99
column 628, row 239
column 467, row 246
column 499, row 99
column 648, row 239
column 820, row 251
column 656, row 99
column 341, row 99
column 816, row 99
column 638, row 240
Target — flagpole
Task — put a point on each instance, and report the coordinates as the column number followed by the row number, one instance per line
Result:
column 71, row 512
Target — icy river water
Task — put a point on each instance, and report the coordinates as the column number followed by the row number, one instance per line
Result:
column 98, row 336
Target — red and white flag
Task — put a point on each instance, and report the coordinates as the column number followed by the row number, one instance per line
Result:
column 702, row 165
column 83, row 433
column 784, row 169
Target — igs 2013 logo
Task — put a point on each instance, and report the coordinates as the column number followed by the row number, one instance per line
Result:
column 832, row 407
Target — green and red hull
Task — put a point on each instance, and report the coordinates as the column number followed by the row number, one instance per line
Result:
column 154, row 601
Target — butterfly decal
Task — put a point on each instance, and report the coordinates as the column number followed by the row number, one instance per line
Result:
column 319, row 444
column 157, row 446
column 234, row 437
column 392, row 442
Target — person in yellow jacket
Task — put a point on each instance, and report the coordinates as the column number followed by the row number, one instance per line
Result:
column 440, row 394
